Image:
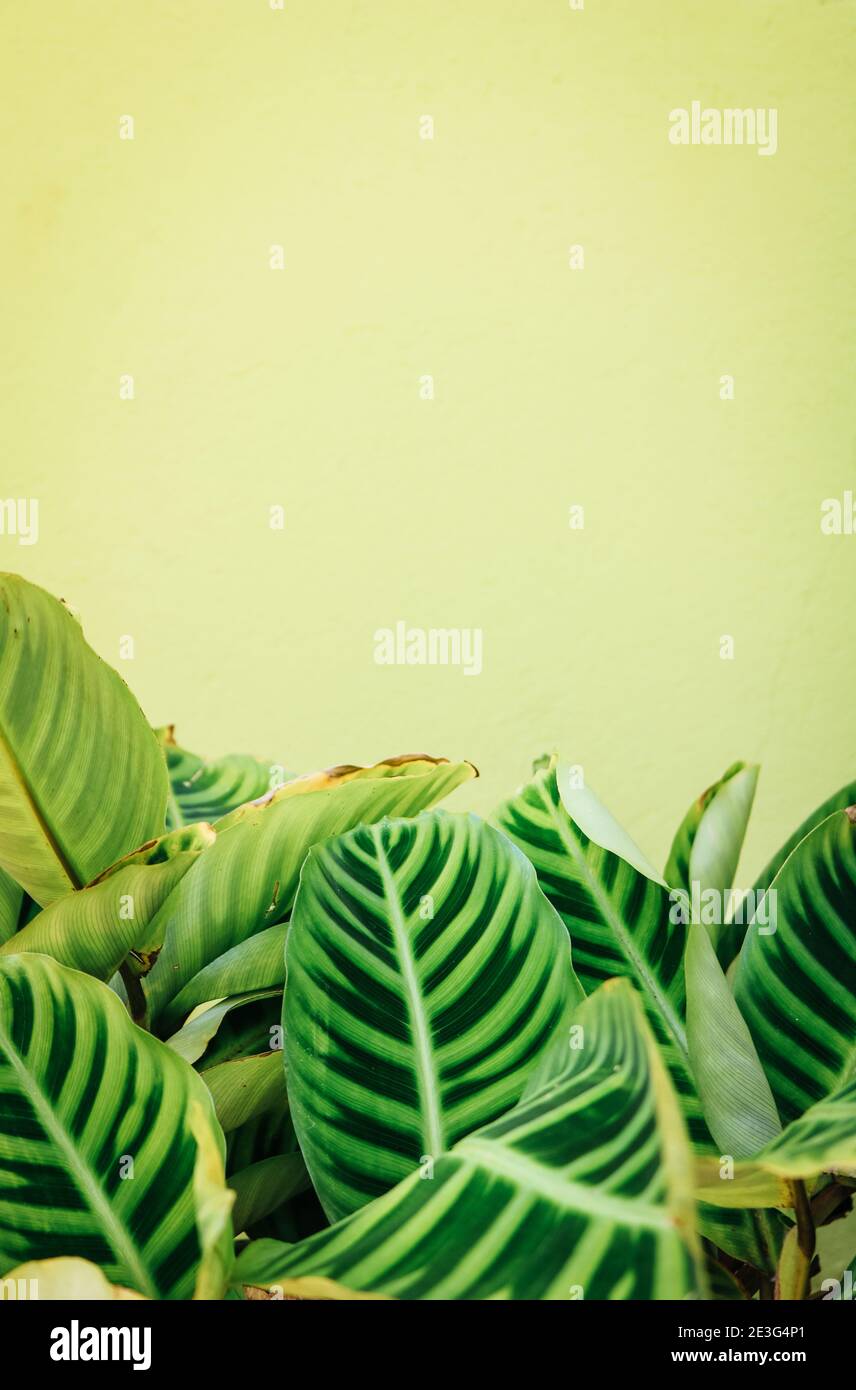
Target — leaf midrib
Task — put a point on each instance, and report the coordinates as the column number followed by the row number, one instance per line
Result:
column 87, row 1182
column 426, row 1072
column 641, row 969
column 75, row 880
column 548, row 1182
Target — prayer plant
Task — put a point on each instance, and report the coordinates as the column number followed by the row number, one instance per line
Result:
column 266, row 1035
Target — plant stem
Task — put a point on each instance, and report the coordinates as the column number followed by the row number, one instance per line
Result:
column 805, row 1240
column 805, row 1221
column 830, row 1203
column 136, row 997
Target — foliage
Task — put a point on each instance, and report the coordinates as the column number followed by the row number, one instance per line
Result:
column 307, row 1035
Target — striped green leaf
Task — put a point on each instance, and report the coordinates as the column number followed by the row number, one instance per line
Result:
column 794, row 984
column 425, row 974
column 82, row 780
column 94, row 929
column 839, row 801
column 246, row 881
column 96, row 1150
column 582, row 1190
column 614, row 905
column 622, row 923
column 206, row 791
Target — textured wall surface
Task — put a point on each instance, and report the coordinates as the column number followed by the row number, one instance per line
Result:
column 404, row 257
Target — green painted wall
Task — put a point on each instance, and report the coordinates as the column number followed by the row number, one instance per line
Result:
column 406, row 257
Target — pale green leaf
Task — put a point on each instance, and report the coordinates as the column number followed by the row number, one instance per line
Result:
column 735, row 1094
column 82, row 779
column 94, row 928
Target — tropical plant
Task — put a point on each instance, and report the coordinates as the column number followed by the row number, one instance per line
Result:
column 266, row 1034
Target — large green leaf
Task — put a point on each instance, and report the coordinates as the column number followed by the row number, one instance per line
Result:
column 621, row 923
column 205, row 791
column 82, row 779
column 246, row 881
column 794, row 984
column 425, row 973
column 839, row 801
column 95, row 928
column 582, row 1190
column 96, row 1151
column 614, row 905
